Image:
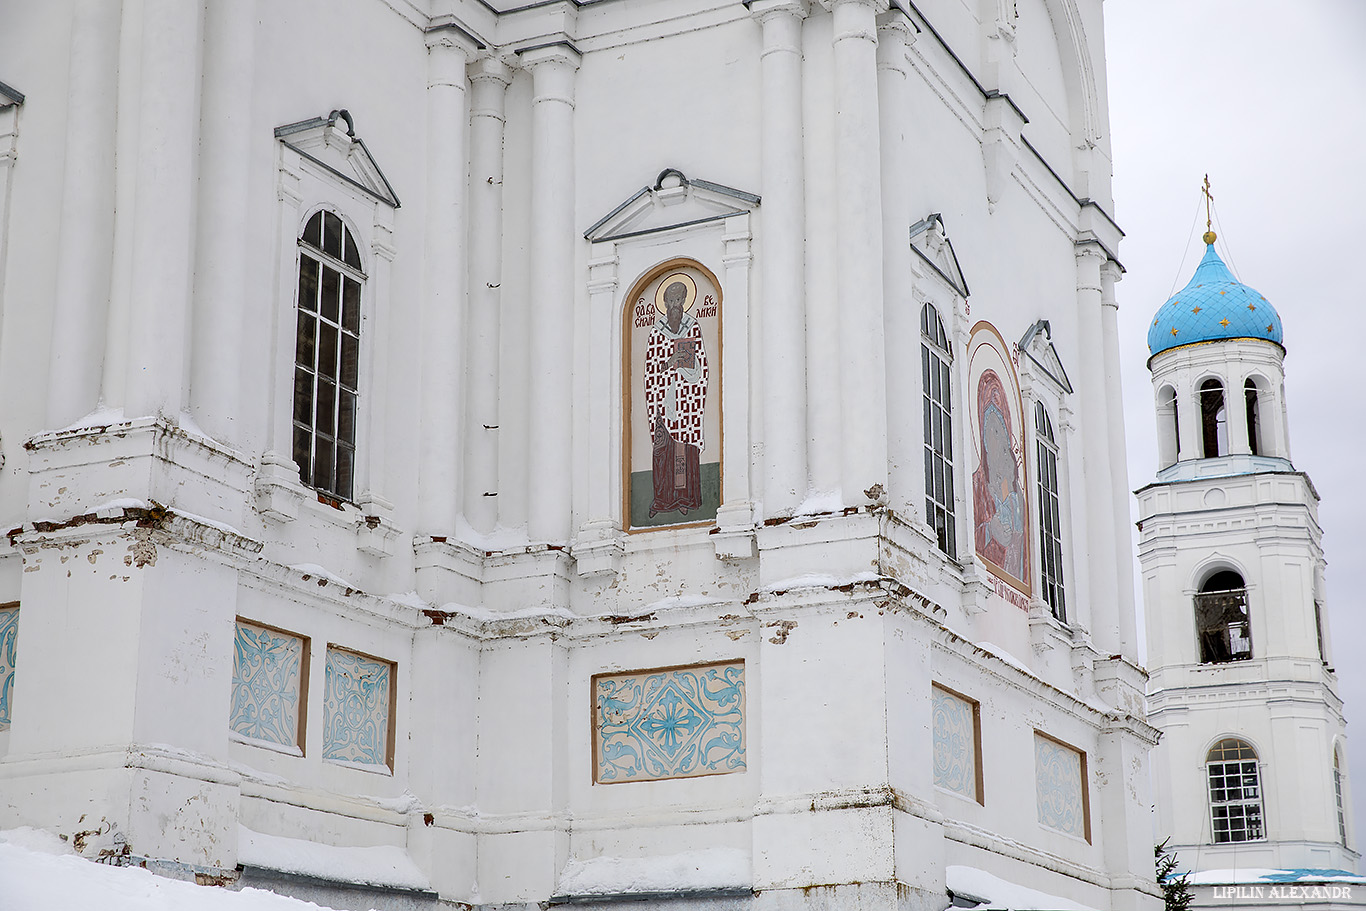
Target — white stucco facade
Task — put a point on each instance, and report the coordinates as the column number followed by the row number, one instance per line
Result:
column 455, row 608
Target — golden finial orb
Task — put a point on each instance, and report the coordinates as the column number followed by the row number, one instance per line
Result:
column 1209, row 237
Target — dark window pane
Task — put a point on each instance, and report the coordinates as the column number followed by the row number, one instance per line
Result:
column 328, row 305
column 350, row 360
column 308, row 283
column 327, row 351
column 313, row 233
column 327, row 403
column 303, row 453
column 346, row 417
column 303, row 397
column 324, row 465
column 305, row 341
column 352, row 257
column 351, row 305
column 346, row 458
column 332, row 235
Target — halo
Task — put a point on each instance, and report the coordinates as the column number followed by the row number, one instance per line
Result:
column 668, row 280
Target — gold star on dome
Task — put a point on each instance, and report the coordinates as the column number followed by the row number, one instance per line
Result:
column 1154, row 322
column 1223, row 292
column 1195, row 310
column 1252, row 306
column 1173, row 330
column 1224, row 323
column 1268, row 328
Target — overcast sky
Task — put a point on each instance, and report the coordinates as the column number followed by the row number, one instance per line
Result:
column 1268, row 98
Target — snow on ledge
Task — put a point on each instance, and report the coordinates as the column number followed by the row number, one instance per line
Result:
column 1260, row 875
column 1000, row 894
column 382, row 865
column 35, row 876
column 711, row 868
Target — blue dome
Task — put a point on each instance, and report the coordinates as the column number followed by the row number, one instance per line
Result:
column 1213, row 306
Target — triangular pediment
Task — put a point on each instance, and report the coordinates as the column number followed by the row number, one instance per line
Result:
column 674, row 201
column 931, row 243
column 1037, row 346
column 331, row 143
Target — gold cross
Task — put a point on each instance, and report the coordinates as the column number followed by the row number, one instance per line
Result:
column 1209, row 197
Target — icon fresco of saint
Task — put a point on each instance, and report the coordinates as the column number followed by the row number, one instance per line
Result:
column 674, row 462
column 1000, row 504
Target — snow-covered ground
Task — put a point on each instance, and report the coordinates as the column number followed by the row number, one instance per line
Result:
column 39, row 872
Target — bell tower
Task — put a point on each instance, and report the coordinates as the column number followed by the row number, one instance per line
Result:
column 1252, row 768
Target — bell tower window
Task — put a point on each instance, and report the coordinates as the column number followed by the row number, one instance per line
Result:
column 1213, row 419
column 1221, row 619
column 1235, row 792
column 1254, row 430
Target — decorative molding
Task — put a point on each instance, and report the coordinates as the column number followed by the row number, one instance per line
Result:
column 669, row 723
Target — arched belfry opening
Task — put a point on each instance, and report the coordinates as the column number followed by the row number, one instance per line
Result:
column 1213, row 419
column 1222, row 623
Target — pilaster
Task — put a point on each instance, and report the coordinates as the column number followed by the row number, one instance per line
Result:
column 551, row 247
column 440, row 447
column 782, row 268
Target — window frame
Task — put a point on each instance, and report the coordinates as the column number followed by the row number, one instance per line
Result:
column 1339, row 795
column 305, row 658
column 346, row 273
column 391, row 736
column 1205, row 600
column 936, row 361
column 978, row 779
column 1258, row 800
column 1085, row 786
column 322, row 165
column 1048, row 455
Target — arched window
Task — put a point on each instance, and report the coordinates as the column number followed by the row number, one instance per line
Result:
column 935, row 357
column 1221, row 619
column 1254, row 429
column 1213, row 419
column 327, row 356
column 1338, row 797
column 1235, row 792
column 1050, row 524
column 1168, row 428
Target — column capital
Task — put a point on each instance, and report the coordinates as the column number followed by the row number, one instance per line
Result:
column 452, row 36
column 764, row 10
column 1091, row 253
column 877, row 6
column 488, row 68
column 556, row 53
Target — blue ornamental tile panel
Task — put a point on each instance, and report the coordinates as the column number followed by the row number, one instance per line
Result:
column 266, row 684
column 356, row 708
column 669, row 723
column 1058, row 780
column 9, row 643
column 955, row 743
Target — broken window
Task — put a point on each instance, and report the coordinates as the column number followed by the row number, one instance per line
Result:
column 1235, row 792
column 1221, row 619
column 1050, row 521
column 935, row 357
column 327, row 355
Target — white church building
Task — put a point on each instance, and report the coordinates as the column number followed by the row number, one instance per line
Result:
column 475, row 453
column 1251, row 773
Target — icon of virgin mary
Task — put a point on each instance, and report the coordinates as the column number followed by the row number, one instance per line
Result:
column 997, row 495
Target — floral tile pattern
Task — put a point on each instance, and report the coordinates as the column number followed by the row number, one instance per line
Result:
column 266, row 668
column 356, row 708
column 674, row 723
column 955, row 744
column 1057, row 777
column 9, row 642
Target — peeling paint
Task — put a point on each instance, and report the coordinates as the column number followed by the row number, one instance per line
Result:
column 782, row 627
